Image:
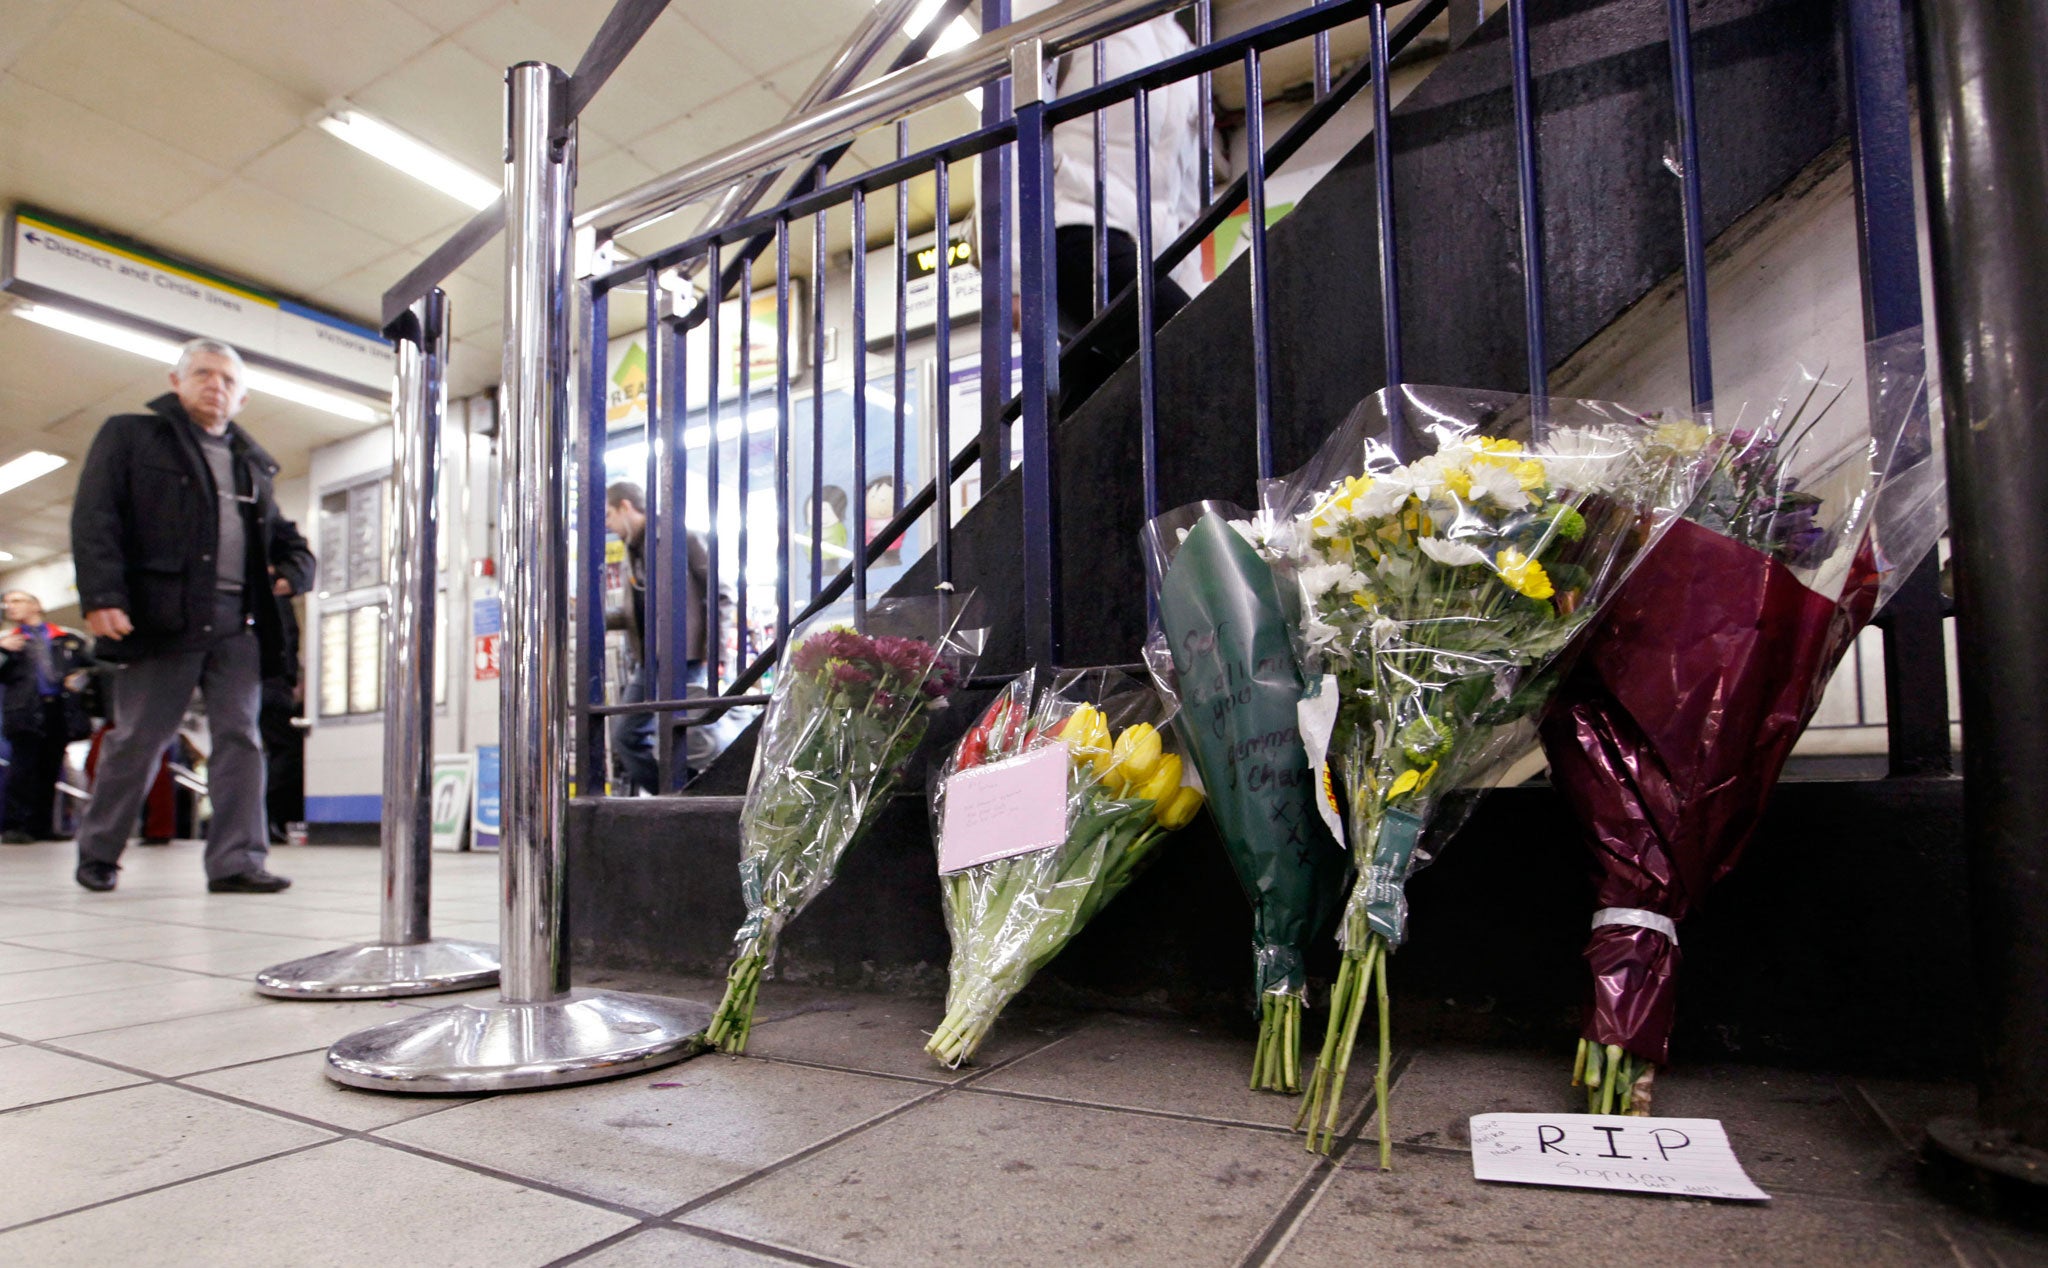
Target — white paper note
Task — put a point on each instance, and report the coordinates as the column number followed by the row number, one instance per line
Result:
column 1009, row 807
column 1684, row 1157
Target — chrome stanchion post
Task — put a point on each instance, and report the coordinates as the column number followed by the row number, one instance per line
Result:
column 406, row 959
column 539, row 1033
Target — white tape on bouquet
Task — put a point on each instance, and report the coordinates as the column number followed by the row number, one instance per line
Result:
column 1639, row 918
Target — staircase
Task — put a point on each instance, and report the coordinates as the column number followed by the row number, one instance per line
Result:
column 1497, row 927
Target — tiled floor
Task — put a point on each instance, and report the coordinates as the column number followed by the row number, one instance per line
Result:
column 154, row 1109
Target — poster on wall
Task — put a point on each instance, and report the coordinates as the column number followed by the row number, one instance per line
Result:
column 484, row 807
column 629, row 372
column 449, row 807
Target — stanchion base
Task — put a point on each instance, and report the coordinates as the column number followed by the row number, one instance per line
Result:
column 1986, row 1170
column 380, row 970
column 501, row 1047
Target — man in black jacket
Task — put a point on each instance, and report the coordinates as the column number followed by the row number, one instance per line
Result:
column 45, row 675
column 176, row 536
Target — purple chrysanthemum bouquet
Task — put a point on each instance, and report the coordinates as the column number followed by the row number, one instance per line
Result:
column 852, row 701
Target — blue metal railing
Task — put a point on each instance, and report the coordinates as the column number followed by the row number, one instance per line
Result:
column 1015, row 135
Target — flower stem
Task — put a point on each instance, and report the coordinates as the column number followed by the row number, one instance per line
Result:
column 733, row 1020
column 1379, row 1074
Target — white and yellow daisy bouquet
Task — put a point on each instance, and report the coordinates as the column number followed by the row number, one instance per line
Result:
column 1448, row 546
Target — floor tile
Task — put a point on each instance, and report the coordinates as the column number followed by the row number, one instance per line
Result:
column 298, row 1084
column 1905, row 1108
column 144, row 940
column 19, row 959
column 272, row 1028
column 1429, row 1209
column 88, row 979
column 1794, row 1132
column 346, row 1204
column 249, row 958
column 882, row 1033
column 17, row 923
column 1443, row 1087
column 108, row 1010
column 29, row 1076
column 658, row 1140
column 973, row 1179
column 1172, row 1066
column 106, row 1146
column 663, row 1247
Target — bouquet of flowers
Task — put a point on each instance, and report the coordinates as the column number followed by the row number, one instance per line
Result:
column 1221, row 644
column 852, row 699
column 1080, row 771
column 1449, row 546
column 1675, row 724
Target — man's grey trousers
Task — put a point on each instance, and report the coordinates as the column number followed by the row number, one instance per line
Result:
column 150, row 697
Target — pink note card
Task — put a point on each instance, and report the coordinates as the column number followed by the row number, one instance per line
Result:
column 1009, row 807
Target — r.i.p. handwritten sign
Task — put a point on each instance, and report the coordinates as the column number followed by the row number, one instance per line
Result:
column 1684, row 1157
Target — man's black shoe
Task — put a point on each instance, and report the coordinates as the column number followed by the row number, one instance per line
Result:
column 98, row 877
column 256, row 882
column 16, row 838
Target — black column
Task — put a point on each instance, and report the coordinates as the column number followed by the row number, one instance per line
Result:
column 1984, row 114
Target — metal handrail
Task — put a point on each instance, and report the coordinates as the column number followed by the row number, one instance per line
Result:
column 1059, row 29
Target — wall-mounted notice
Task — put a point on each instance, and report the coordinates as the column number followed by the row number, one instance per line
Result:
column 1683, row 1157
column 1009, row 807
column 50, row 258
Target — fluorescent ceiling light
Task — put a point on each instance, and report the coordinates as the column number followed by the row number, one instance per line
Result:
column 412, row 156
column 6, row 557
column 165, row 352
column 29, row 466
column 961, row 32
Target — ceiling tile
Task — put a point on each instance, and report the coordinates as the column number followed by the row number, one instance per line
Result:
column 766, row 34
column 27, row 21
column 268, row 238
column 142, row 73
column 554, row 31
column 320, row 171
column 448, row 97
column 449, row 16
column 609, row 174
column 358, row 40
column 61, row 155
column 360, row 295
column 674, row 69
column 733, row 117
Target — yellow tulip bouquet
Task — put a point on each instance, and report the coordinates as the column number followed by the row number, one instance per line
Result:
column 1008, row 917
column 1448, row 547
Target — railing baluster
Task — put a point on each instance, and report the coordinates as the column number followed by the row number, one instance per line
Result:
column 818, row 227
column 1699, row 358
column 1255, row 205
column 745, row 370
column 1041, row 359
column 1099, row 291
column 677, row 353
column 1321, row 43
column 657, row 667
column 857, row 496
column 902, row 291
column 942, row 407
column 1148, row 417
column 1383, row 193
column 588, row 731
column 998, row 222
column 714, row 630
column 1206, row 106
column 1532, row 212
column 782, row 508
